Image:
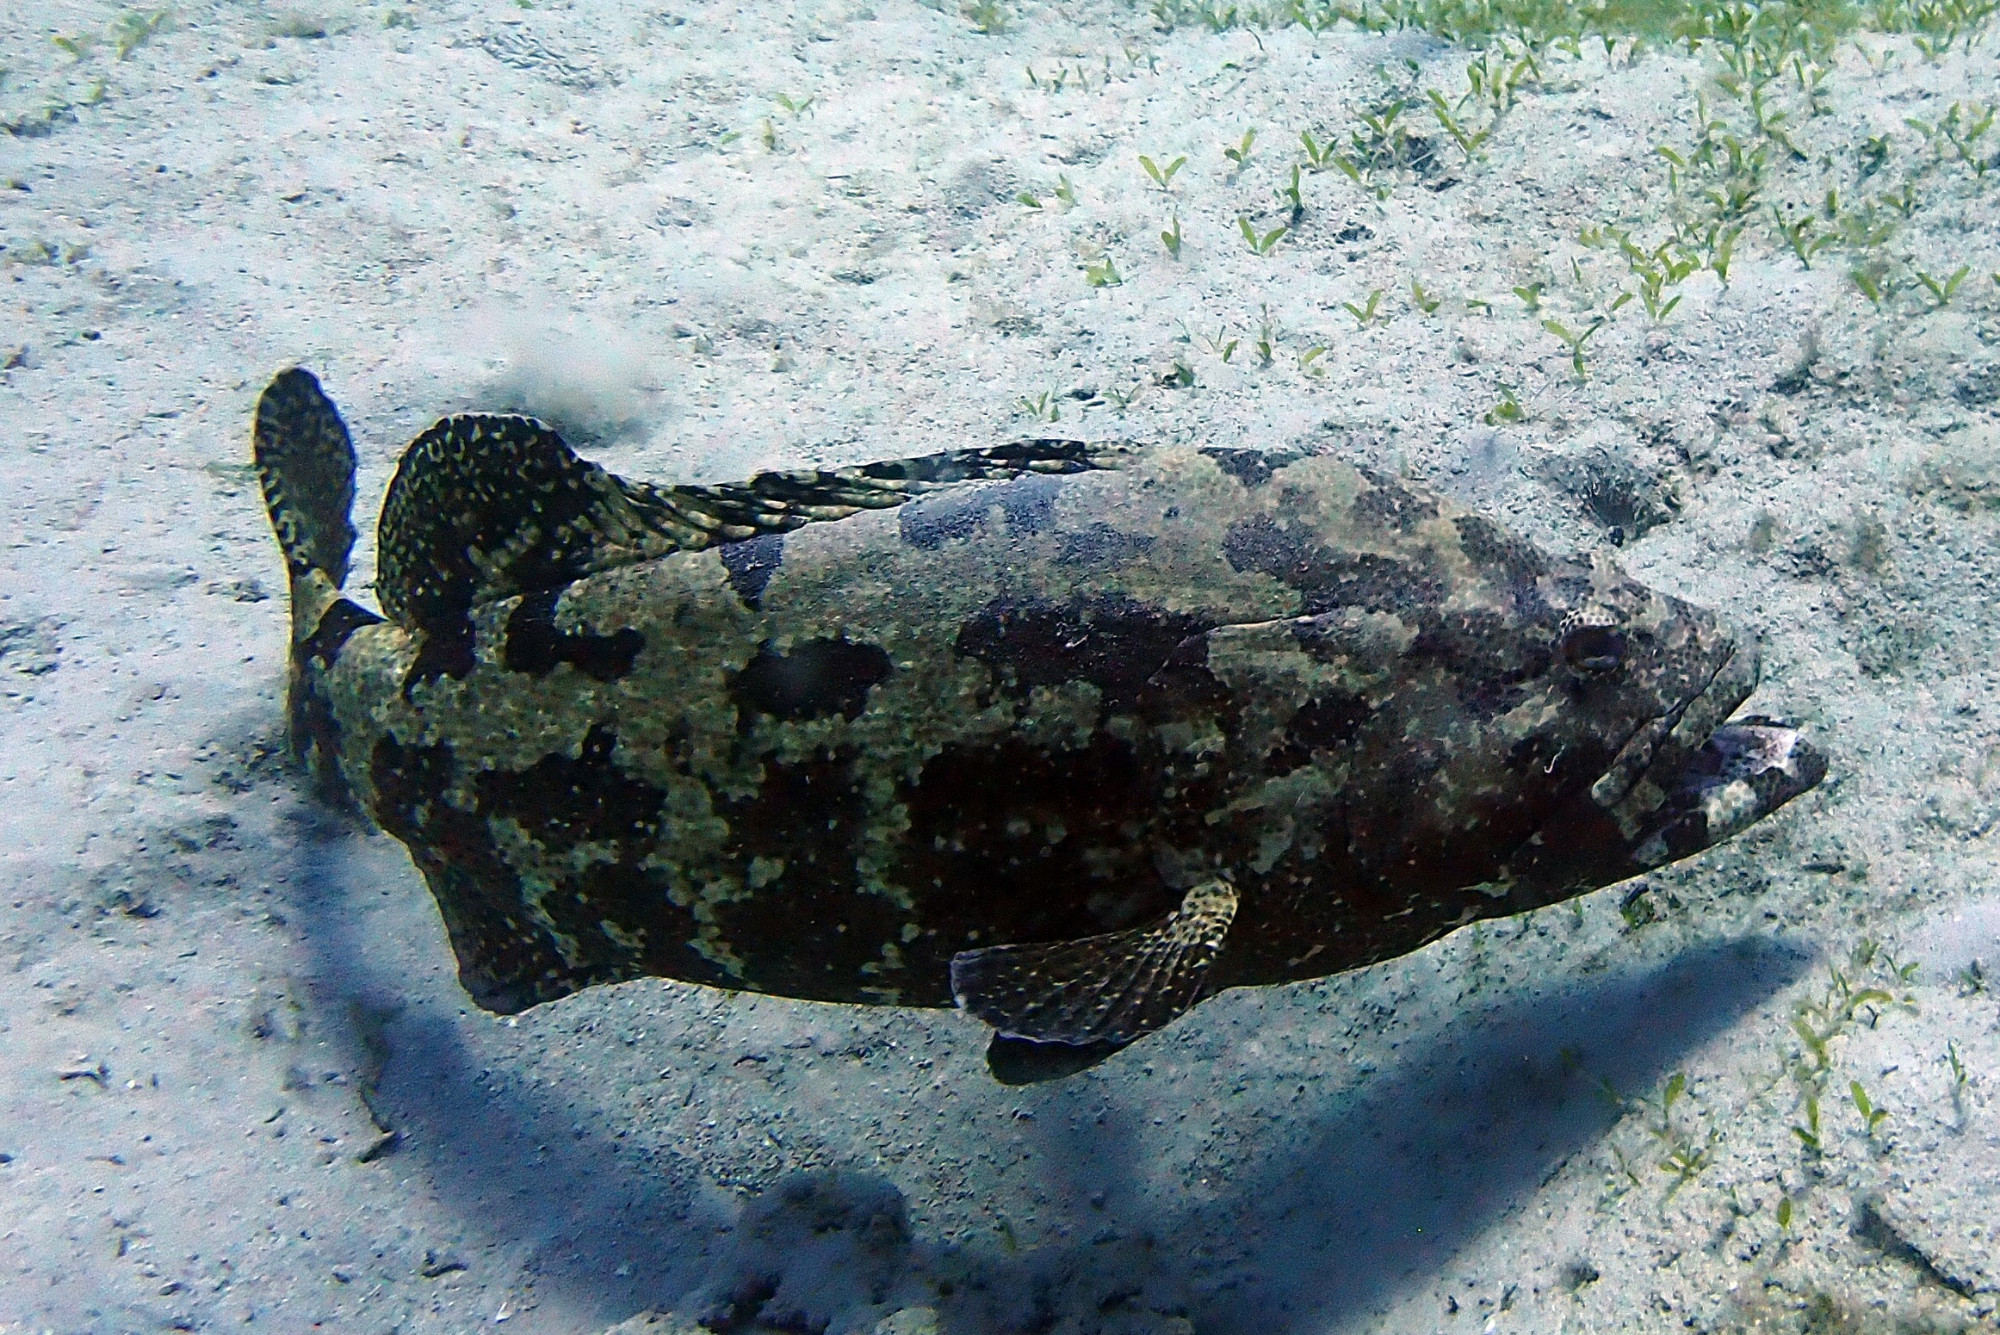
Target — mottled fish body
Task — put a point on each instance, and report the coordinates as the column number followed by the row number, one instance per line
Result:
column 1070, row 734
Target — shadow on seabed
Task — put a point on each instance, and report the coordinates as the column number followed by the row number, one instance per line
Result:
column 1349, row 1201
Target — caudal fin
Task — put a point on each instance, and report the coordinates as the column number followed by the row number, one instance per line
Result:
column 306, row 464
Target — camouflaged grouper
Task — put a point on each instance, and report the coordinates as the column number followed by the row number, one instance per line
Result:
column 1072, row 735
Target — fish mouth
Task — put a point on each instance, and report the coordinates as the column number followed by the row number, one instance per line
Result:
column 1746, row 769
column 1693, row 779
column 1648, row 766
column 1683, row 782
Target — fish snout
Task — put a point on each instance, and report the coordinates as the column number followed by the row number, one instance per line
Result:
column 1747, row 769
column 1697, row 776
column 1722, row 674
column 1688, row 778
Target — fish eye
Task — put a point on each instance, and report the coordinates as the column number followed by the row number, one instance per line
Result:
column 1591, row 650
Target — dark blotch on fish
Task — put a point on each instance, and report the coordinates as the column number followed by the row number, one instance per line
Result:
column 562, row 803
column 558, row 803
column 1113, row 642
column 816, row 679
column 797, row 834
column 1025, row 505
column 1253, row 468
column 1061, row 819
column 751, row 563
column 1184, row 688
column 1101, row 544
column 447, row 651
column 1329, row 579
column 1473, row 647
column 1486, row 543
column 500, row 950
column 1394, row 506
column 341, row 620
column 535, row 644
column 1323, row 725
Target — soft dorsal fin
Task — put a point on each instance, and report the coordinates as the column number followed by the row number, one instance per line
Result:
column 1099, row 991
column 484, row 507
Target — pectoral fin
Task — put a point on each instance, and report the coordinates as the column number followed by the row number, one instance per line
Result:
column 1099, row 990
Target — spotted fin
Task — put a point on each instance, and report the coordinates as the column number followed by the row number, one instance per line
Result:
column 305, row 463
column 1100, row 990
column 787, row 500
column 484, row 507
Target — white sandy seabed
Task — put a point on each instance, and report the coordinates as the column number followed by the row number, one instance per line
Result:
column 239, row 1086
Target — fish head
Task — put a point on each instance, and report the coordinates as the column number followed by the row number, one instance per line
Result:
column 1644, row 689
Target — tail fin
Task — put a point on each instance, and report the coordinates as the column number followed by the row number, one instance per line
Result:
column 306, row 464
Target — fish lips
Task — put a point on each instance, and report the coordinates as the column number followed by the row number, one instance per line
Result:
column 1748, row 768
column 1713, row 775
column 1683, row 782
column 1648, row 767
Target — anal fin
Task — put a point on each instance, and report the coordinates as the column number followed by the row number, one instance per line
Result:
column 1099, row 990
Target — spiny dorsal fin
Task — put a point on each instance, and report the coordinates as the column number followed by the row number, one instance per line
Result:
column 305, row 463
column 483, row 507
column 1106, row 989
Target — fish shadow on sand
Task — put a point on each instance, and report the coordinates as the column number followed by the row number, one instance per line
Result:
column 1326, row 1213
column 1374, row 1191
column 597, row 1229
column 1326, row 1210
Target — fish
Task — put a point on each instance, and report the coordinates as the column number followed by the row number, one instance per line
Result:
column 1069, row 735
